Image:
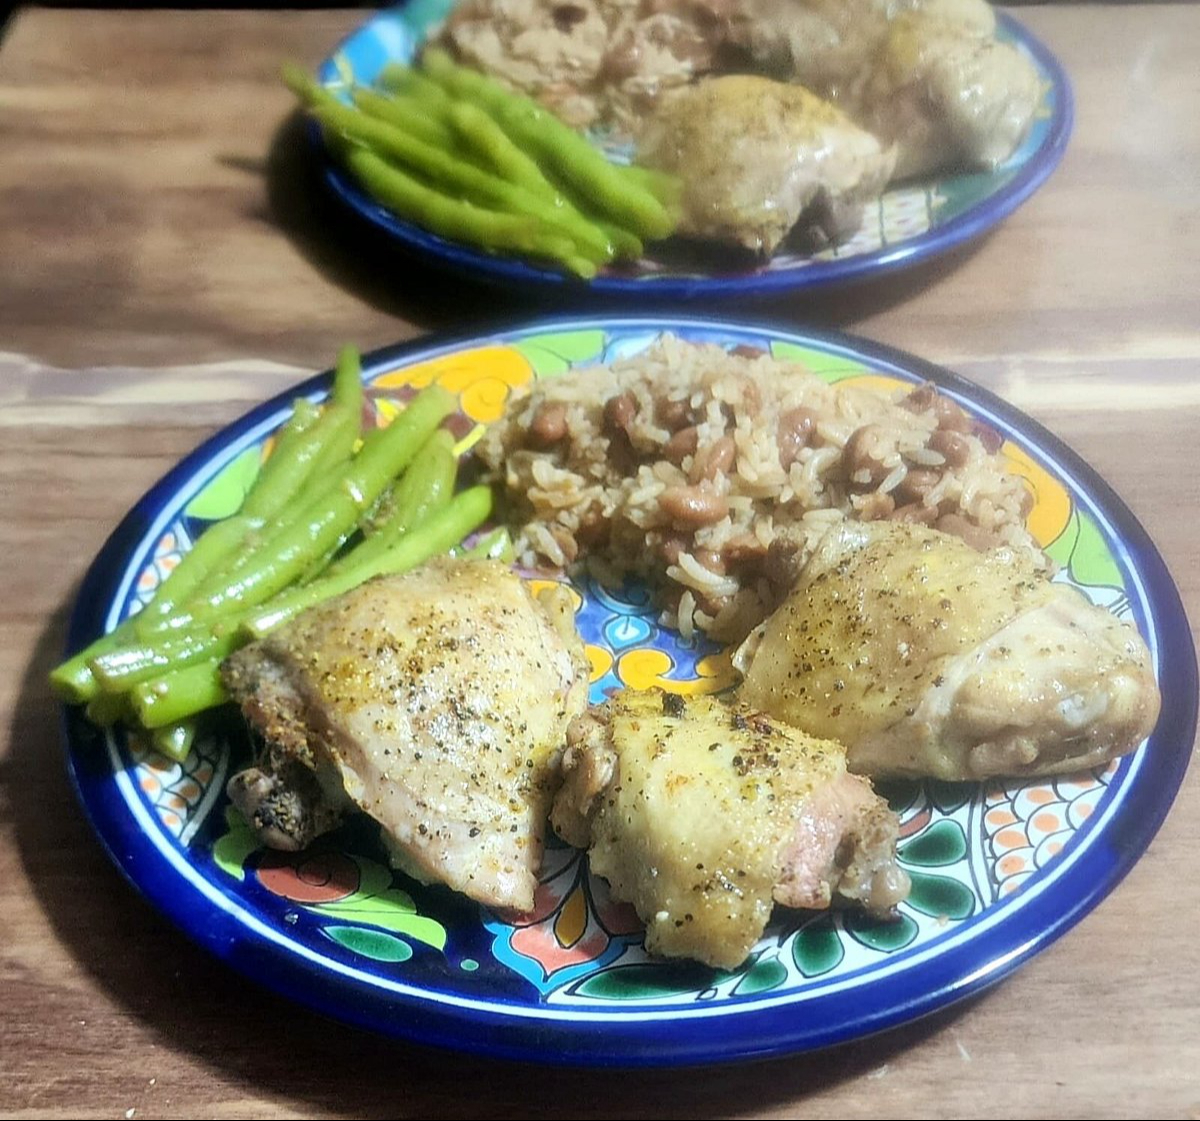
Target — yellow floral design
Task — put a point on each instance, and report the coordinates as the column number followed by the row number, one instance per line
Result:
column 647, row 669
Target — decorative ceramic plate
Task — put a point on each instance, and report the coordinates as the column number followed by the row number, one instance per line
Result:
column 908, row 224
column 998, row 871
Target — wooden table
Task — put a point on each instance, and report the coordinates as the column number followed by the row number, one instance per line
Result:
column 165, row 263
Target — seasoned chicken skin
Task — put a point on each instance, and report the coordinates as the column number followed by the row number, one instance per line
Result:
column 704, row 815
column 927, row 658
column 929, row 76
column 438, row 703
column 757, row 156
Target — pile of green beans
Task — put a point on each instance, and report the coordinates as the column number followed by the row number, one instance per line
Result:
column 465, row 158
column 330, row 509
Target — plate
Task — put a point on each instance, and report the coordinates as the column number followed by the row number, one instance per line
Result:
column 909, row 224
column 998, row 871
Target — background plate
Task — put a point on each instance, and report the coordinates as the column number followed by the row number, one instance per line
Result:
column 998, row 871
column 909, row 223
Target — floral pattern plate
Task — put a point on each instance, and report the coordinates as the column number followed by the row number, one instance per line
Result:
column 998, row 870
column 910, row 222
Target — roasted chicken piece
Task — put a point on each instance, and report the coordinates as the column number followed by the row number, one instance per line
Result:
column 929, row 76
column 756, row 157
column 946, row 97
column 437, row 702
column 704, row 815
column 928, row 658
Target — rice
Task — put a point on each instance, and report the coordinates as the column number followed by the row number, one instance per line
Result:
column 712, row 475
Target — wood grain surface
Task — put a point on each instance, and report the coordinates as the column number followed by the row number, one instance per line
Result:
column 165, row 263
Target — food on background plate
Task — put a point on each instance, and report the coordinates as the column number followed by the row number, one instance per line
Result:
column 760, row 159
column 929, row 76
column 929, row 659
column 684, row 465
column 704, row 815
column 461, row 156
column 437, row 702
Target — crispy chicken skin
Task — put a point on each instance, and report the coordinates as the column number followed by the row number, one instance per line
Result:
column 758, row 156
column 438, row 703
column 704, row 815
column 928, row 658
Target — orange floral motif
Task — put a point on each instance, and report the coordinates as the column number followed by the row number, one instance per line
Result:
column 323, row 878
column 1052, row 504
column 648, row 668
column 482, row 378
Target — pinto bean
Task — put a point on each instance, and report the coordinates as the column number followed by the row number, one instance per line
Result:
column 1028, row 501
column 711, row 560
column 950, row 417
column 743, row 549
column 549, row 425
column 916, row 484
column 619, row 412
column 594, row 529
column 692, row 507
column 920, row 398
column 858, row 455
column 672, row 545
column 682, row 444
column 567, row 543
column 673, row 413
column 876, row 507
column 716, row 460
column 793, row 433
column 973, row 535
column 952, row 446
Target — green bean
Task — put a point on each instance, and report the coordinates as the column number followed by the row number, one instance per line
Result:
column 437, row 213
column 402, row 79
column 304, row 85
column 438, row 533
column 480, row 133
column 176, row 696
column 175, row 740
column 332, row 515
column 427, row 485
column 320, row 460
column 347, row 382
column 404, row 114
column 665, row 187
column 559, row 147
column 627, row 246
column 467, row 181
column 72, row 680
column 459, row 221
column 106, row 709
column 121, row 669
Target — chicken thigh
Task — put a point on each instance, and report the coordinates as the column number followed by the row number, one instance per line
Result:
column 704, row 815
column 758, row 156
column 928, row 658
column 929, row 76
column 438, row 703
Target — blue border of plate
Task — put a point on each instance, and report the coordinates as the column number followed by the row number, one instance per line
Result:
column 472, row 264
column 939, row 980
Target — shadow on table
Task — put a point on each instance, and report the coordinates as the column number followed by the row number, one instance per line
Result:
column 364, row 261
column 276, row 1049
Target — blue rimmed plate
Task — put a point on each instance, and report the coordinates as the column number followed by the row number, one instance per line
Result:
column 909, row 224
column 998, row 871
